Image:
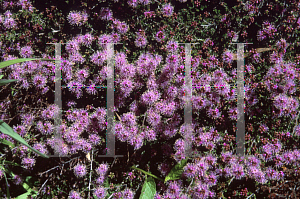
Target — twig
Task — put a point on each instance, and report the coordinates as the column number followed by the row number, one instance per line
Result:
column 296, row 123
column 250, row 196
column 111, row 196
column 91, row 174
column 58, row 166
column 43, row 185
column 190, row 184
column 230, row 181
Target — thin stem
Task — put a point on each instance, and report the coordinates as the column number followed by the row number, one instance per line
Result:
column 147, row 173
column 43, row 185
column 91, row 173
column 58, row 166
column 296, row 123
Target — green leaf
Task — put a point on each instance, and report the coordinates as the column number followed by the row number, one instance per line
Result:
column 7, row 188
column 27, row 185
column 6, row 142
column 177, row 171
column 7, row 81
column 12, row 163
column 4, row 128
column 25, row 195
column 147, row 173
column 1, row 76
column 15, row 61
column 149, row 189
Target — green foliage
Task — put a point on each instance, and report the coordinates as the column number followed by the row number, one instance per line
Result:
column 5, row 128
column 149, row 189
column 176, row 171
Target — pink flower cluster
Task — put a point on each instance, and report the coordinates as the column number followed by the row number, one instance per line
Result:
column 77, row 18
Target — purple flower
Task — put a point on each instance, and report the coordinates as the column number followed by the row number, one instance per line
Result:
column 232, row 113
column 17, row 180
column 211, row 179
column 122, row 28
column 136, row 142
column 120, row 59
column 122, row 133
column 80, row 170
column 91, row 89
column 174, row 189
column 223, row 88
column 126, row 87
column 281, row 101
column 128, row 194
column 172, row 46
column 84, row 17
column 145, row 2
column 87, row 39
column 99, row 57
column 127, row 70
column 168, row 108
column 26, row 51
column 201, row 191
column 102, row 169
column 149, row 14
column 72, row 46
column 228, row 57
column 146, row 64
column 172, row 60
column 104, row 40
column 9, row 23
column 172, row 92
column 159, row 36
column 8, row 13
column 40, row 147
column 100, row 192
column 214, row 113
column 77, row 18
column 198, row 102
column 50, row 112
column 59, row 146
column 82, row 74
column 179, row 145
column 150, row 97
column 28, row 162
column 132, row 3
column 228, row 158
column 289, row 157
column 115, row 37
column 71, row 136
column 257, row 174
column 210, row 160
column 100, row 180
column 129, row 119
column 140, row 41
column 167, row 10
column 39, row 81
column 271, row 174
column 74, row 195
column 94, row 139
column 20, row 129
column 190, row 170
column 150, row 135
column 76, row 57
column 105, row 14
column 237, row 171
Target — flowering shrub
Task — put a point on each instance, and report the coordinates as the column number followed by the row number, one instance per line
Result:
column 150, row 98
